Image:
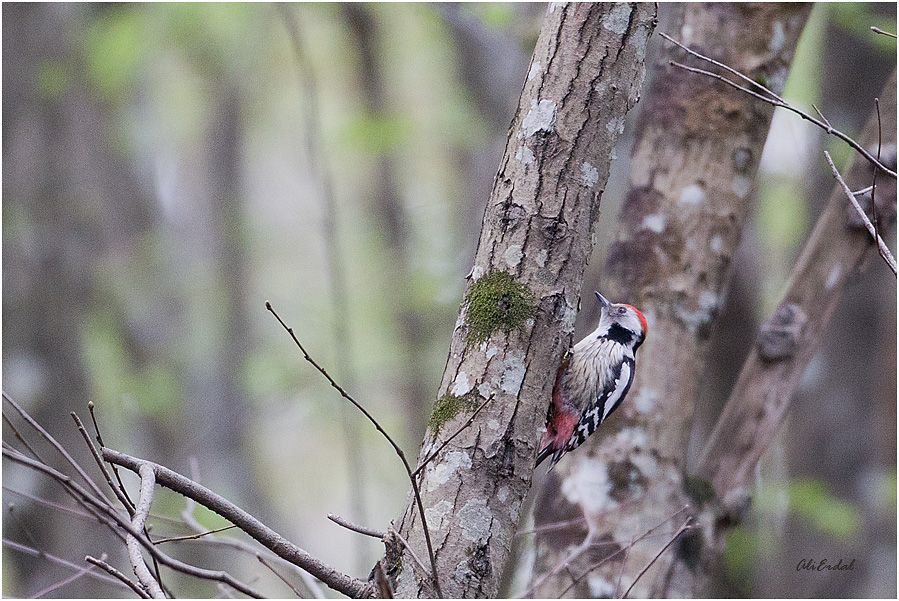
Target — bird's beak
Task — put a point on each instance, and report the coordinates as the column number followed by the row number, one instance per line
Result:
column 603, row 301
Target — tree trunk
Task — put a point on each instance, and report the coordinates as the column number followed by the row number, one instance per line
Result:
column 697, row 148
column 793, row 334
column 522, row 294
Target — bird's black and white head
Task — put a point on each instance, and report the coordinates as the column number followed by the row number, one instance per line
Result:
column 621, row 323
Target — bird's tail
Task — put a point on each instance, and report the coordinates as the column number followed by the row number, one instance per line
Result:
column 542, row 455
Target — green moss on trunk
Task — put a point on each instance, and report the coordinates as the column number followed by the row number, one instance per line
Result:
column 497, row 302
column 447, row 407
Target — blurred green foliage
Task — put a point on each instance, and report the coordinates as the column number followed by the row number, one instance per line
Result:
column 810, row 500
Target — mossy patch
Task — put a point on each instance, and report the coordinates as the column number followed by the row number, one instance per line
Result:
column 447, row 407
column 497, row 302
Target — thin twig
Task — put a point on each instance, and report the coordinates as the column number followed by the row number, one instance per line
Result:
column 406, row 544
column 684, row 527
column 335, row 269
column 126, row 503
column 120, row 493
column 46, row 435
column 772, row 99
column 884, row 249
column 173, row 539
column 882, row 32
column 308, row 580
column 874, row 174
column 21, row 524
column 727, row 68
column 79, row 492
column 256, row 529
column 115, row 469
column 33, row 552
column 610, row 556
column 21, row 438
column 65, row 581
column 399, row 452
column 829, row 128
column 552, row 526
column 52, row 504
column 280, row 576
column 100, row 563
column 356, row 527
column 448, row 440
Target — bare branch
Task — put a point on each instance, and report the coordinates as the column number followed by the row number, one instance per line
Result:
column 727, row 68
column 115, row 470
column 356, row 527
column 684, row 527
column 334, row 263
column 126, row 502
column 117, row 574
column 405, row 543
column 280, row 576
column 147, row 484
column 46, row 435
column 37, row 553
column 21, row 438
column 52, row 504
column 774, row 100
column 586, row 545
column 880, row 31
column 377, row 425
column 874, row 178
column 882, row 247
column 173, row 539
column 829, row 128
column 68, row 580
column 120, row 493
column 79, row 492
column 309, row 581
column 763, row 392
column 243, row 520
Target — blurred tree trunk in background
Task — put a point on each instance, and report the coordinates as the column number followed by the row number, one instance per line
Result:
column 522, row 295
column 853, row 393
column 696, row 151
column 390, row 217
column 76, row 204
column 216, row 401
column 491, row 63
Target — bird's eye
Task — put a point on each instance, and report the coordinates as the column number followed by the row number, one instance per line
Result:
column 621, row 310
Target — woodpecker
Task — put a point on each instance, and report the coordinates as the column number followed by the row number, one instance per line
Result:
column 593, row 379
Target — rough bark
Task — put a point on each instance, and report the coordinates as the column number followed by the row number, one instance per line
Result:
column 522, row 294
column 793, row 334
column 697, row 148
